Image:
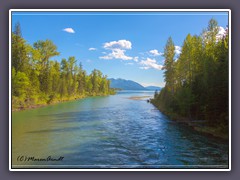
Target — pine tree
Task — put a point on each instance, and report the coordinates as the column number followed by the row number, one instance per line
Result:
column 169, row 53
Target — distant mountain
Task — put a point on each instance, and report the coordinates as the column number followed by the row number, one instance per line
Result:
column 153, row 88
column 125, row 84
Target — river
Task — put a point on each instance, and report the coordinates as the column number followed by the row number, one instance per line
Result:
column 117, row 131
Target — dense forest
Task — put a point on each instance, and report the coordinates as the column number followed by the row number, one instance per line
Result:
column 197, row 82
column 37, row 80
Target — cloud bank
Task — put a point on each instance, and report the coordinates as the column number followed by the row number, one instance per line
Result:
column 118, row 49
column 121, row 44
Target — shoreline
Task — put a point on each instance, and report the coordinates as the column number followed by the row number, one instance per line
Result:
column 199, row 126
column 206, row 130
column 43, row 105
column 138, row 97
column 53, row 103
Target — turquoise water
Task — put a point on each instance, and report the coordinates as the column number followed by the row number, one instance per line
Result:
column 118, row 131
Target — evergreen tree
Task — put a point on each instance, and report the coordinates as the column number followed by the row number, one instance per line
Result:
column 197, row 83
column 38, row 80
column 169, row 53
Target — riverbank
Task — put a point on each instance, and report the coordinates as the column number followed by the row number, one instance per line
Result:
column 34, row 106
column 56, row 101
column 139, row 97
column 200, row 126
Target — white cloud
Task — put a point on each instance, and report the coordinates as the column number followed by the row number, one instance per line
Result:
column 106, row 57
column 121, row 44
column 135, row 59
column 178, row 50
column 92, row 49
column 155, row 52
column 150, row 63
column 118, row 49
column 117, row 54
column 69, row 30
column 221, row 32
column 144, row 68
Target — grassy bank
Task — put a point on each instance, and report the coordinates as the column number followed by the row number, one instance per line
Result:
column 18, row 105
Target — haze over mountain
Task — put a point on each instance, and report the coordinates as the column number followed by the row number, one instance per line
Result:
column 129, row 85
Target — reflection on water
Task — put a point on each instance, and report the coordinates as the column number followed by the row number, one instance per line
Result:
column 114, row 131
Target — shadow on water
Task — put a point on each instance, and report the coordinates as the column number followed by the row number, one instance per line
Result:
column 115, row 131
column 102, row 140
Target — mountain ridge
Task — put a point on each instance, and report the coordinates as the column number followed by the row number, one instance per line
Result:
column 124, row 84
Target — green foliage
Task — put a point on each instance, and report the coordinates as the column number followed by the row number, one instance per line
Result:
column 20, row 59
column 20, row 84
column 169, row 64
column 197, row 83
column 38, row 80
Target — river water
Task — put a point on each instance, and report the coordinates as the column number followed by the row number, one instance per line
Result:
column 118, row 131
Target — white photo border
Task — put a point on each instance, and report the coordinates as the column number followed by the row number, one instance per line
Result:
column 114, row 10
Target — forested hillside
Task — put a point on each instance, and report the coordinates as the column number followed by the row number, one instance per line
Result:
column 197, row 81
column 38, row 80
column 125, row 84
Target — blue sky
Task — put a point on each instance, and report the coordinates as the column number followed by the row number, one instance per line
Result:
column 126, row 45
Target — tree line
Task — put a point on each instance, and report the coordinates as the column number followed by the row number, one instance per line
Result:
column 197, row 82
column 37, row 80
